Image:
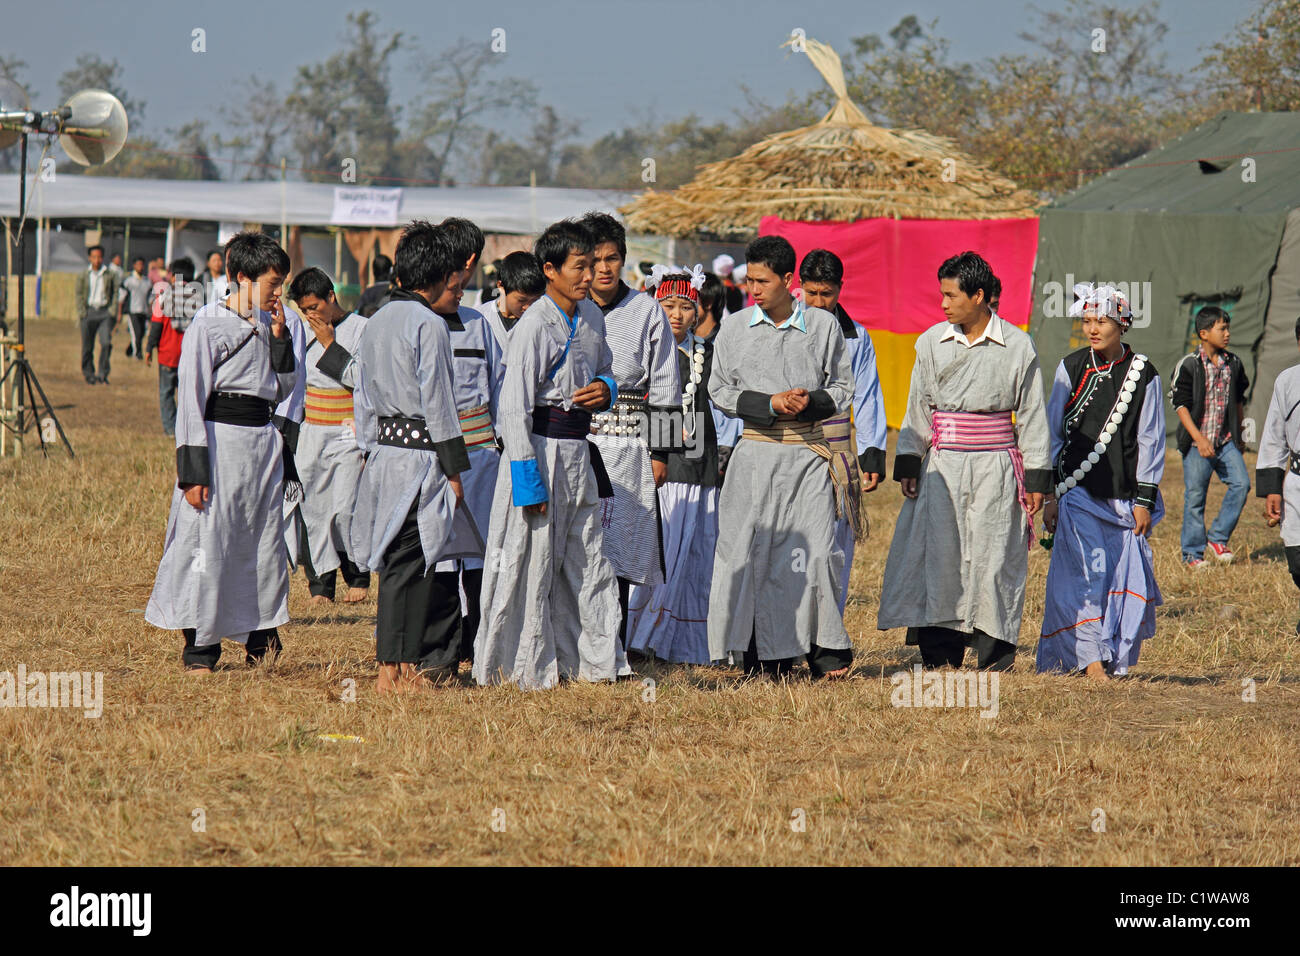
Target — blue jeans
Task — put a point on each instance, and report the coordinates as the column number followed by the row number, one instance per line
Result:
column 167, row 379
column 1231, row 469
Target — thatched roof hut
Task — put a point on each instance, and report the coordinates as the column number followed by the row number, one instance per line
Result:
column 842, row 168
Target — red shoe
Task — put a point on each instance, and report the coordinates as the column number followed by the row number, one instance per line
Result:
column 1222, row 552
column 1196, row 564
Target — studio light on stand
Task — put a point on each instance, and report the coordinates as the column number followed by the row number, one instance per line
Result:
column 92, row 129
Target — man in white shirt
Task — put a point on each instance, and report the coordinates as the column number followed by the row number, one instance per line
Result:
column 96, row 296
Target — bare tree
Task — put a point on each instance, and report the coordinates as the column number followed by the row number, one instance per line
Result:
column 453, row 121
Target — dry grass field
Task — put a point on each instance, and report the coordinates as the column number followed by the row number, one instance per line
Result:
column 712, row 770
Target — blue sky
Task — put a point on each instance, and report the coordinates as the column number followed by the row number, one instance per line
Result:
column 606, row 63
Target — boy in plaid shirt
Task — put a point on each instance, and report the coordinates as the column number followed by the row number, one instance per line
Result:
column 1209, row 393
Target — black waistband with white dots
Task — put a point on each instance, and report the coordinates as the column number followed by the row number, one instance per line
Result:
column 405, row 433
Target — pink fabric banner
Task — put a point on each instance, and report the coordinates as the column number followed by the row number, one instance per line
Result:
column 890, row 264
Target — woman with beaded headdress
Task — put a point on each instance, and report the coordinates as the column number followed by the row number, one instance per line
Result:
column 1107, row 422
column 670, row 620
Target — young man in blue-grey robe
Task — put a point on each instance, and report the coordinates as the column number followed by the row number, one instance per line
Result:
column 411, row 490
column 550, row 600
column 223, row 572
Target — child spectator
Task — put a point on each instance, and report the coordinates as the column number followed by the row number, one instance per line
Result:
column 1209, row 393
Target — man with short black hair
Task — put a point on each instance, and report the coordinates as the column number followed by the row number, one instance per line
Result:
column 860, row 434
column 411, row 490
column 973, row 458
column 550, row 600
column 223, row 572
column 381, row 267
column 783, row 369
column 137, row 288
column 631, row 436
column 327, row 457
column 96, row 297
column 520, row 283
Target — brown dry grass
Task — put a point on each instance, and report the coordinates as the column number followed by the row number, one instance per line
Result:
column 710, row 772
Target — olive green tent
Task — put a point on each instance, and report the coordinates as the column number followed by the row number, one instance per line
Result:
column 1212, row 217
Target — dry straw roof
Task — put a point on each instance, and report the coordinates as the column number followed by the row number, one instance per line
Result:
column 841, row 168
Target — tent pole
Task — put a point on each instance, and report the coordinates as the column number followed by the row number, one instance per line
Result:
column 338, row 256
column 284, row 208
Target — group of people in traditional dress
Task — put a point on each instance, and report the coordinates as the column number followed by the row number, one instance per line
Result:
column 582, row 472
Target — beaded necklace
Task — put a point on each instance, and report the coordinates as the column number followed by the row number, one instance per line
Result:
column 694, row 349
column 1113, row 421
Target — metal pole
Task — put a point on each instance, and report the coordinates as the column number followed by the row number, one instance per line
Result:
column 20, row 422
column 284, row 208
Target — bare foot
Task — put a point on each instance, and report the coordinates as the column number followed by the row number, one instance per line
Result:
column 388, row 679
column 320, row 599
column 198, row 671
column 838, row 674
column 356, row 595
column 1096, row 671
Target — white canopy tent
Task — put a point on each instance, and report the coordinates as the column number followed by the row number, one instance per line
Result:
column 507, row 209
column 500, row 211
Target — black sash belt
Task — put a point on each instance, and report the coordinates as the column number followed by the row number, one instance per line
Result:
column 231, row 408
column 1294, row 465
column 405, row 433
column 554, row 422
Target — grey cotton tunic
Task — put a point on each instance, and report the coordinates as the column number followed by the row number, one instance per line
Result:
column 492, row 316
column 328, row 458
column 223, row 571
column 550, row 599
column 644, row 364
column 1280, row 437
column 777, row 569
column 288, row 418
column 478, row 366
column 403, row 367
column 959, row 555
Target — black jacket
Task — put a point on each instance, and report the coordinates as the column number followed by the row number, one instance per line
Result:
column 1189, row 393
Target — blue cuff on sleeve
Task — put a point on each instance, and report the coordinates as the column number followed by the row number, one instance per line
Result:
column 526, row 486
column 613, row 388
column 771, row 408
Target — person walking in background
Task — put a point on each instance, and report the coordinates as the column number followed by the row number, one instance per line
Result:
column 216, row 285
column 137, row 288
column 96, row 296
column 171, row 318
column 381, row 268
column 1209, row 396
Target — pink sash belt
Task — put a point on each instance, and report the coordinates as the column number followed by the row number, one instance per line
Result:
column 982, row 431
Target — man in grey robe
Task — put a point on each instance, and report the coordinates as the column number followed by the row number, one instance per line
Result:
column 411, row 492
column 1277, row 475
column 327, row 458
column 477, row 366
column 222, row 573
column 973, row 461
column 782, row 368
column 650, row 393
column 550, row 600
